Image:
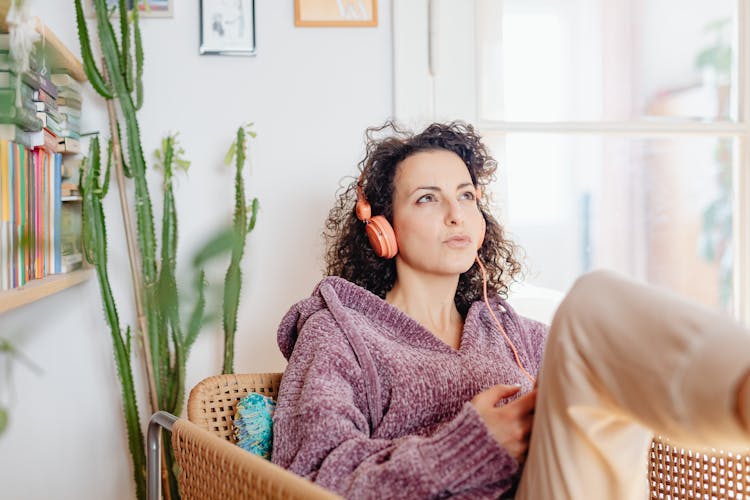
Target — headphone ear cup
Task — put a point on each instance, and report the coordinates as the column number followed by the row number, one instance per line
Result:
column 382, row 237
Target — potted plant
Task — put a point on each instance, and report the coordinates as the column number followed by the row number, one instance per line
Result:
column 165, row 336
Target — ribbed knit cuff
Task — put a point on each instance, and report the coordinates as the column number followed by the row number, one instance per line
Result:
column 463, row 454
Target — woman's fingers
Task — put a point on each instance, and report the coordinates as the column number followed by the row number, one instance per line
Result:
column 492, row 395
column 526, row 403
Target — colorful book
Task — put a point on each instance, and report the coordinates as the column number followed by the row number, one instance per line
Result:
column 5, row 60
column 42, row 96
column 10, row 96
column 57, row 214
column 68, row 145
column 22, row 169
column 24, row 118
column 5, row 221
column 71, row 102
column 64, row 80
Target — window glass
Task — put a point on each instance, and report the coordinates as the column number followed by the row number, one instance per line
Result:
column 656, row 209
column 610, row 60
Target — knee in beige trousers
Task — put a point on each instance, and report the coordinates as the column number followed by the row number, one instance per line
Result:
column 623, row 361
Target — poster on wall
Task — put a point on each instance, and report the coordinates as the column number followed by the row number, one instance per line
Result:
column 228, row 27
column 146, row 8
column 351, row 13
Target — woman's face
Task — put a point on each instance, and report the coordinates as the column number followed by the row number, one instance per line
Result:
column 435, row 214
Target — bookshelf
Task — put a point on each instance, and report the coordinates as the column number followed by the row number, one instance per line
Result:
column 38, row 289
column 58, row 56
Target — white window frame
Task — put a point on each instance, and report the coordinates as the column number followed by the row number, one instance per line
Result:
column 428, row 55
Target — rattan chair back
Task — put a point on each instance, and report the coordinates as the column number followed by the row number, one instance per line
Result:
column 212, row 403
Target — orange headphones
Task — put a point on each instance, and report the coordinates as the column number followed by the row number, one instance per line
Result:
column 379, row 230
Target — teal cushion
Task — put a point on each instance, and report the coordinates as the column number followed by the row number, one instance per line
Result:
column 253, row 424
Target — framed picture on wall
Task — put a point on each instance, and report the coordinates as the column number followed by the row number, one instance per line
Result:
column 228, row 27
column 146, row 8
column 336, row 13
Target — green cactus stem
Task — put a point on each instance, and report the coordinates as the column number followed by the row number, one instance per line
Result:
column 95, row 244
column 241, row 228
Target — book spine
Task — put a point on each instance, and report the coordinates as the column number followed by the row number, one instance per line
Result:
column 4, row 217
column 46, row 85
column 58, row 213
column 44, row 215
column 13, row 165
column 31, row 186
column 23, row 228
column 39, row 218
column 10, row 233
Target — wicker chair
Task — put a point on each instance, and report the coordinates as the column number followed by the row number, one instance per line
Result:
column 212, row 468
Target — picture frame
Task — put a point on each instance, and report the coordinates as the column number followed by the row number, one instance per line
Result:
column 146, row 8
column 227, row 27
column 336, row 13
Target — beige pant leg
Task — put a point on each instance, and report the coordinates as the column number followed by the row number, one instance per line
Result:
column 623, row 360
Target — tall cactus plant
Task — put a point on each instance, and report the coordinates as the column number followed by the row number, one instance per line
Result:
column 241, row 226
column 166, row 338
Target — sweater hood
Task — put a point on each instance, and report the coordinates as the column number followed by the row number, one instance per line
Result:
column 332, row 293
column 338, row 296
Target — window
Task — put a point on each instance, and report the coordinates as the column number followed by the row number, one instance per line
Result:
column 622, row 129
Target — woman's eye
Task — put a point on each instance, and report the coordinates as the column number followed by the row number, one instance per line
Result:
column 426, row 198
column 468, row 195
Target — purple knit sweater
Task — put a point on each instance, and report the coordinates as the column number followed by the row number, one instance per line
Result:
column 373, row 405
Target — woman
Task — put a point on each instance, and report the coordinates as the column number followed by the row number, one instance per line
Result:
column 403, row 383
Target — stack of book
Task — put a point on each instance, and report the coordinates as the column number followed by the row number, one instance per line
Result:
column 18, row 116
column 38, row 122
column 69, row 112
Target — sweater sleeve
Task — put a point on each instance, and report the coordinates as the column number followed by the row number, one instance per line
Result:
column 322, row 432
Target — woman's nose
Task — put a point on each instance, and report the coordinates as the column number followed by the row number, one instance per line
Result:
column 455, row 215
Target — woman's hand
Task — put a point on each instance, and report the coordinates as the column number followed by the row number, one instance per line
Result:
column 509, row 424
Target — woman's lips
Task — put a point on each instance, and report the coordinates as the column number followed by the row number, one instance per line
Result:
column 459, row 241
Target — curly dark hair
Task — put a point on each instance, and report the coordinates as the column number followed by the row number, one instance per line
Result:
column 348, row 251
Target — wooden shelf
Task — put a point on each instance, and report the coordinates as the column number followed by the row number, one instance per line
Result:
column 60, row 56
column 38, row 289
column 57, row 56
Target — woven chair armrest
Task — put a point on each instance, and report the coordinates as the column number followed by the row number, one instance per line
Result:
column 213, row 468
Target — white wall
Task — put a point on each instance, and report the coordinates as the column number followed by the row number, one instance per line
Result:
column 311, row 93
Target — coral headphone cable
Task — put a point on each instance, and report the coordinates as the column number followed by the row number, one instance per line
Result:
column 502, row 330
